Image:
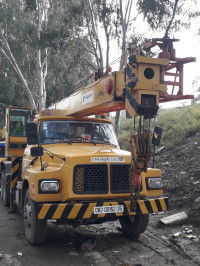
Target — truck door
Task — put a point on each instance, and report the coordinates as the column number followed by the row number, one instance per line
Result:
column 16, row 120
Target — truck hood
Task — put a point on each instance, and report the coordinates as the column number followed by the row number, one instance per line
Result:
column 76, row 149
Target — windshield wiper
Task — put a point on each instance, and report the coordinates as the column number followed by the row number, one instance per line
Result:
column 104, row 141
column 51, row 154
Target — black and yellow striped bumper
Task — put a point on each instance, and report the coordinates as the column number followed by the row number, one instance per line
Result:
column 79, row 211
column 15, row 171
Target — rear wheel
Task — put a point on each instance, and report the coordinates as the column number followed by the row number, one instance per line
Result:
column 134, row 228
column 35, row 229
column 5, row 190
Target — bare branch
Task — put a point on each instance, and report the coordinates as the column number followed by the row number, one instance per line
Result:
column 128, row 17
column 127, row 8
column 173, row 15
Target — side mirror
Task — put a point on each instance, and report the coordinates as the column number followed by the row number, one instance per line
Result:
column 37, row 151
column 31, row 133
column 157, row 136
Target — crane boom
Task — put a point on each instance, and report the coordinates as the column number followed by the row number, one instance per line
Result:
column 135, row 88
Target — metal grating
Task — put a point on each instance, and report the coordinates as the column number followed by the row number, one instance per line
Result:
column 90, row 179
column 120, row 178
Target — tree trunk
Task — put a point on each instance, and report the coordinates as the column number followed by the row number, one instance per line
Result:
column 124, row 24
column 42, row 7
column 5, row 49
column 100, row 59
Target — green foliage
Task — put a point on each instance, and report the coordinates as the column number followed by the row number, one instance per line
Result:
column 126, row 127
column 63, row 37
column 124, row 137
column 177, row 124
column 196, row 85
column 158, row 13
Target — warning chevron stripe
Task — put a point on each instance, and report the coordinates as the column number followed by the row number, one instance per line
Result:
column 15, row 172
column 69, row 211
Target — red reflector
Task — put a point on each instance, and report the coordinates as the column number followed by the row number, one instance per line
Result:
column 137, row 181
column 108, row 86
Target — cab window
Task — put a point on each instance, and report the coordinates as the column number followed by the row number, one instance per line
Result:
column 18, row 119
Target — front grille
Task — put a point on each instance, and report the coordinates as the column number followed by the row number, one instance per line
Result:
column 120, row 178
column 90, row 179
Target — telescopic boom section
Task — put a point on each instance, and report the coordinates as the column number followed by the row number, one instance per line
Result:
column 135, row 88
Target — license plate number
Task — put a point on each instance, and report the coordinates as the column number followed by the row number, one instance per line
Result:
column 108, row 209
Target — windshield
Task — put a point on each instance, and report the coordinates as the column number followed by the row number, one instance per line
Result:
column 76, row 131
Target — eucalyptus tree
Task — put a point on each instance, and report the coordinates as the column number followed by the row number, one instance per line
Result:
column 112, row 19
column 167, row 15
column 10, row 35
column 38, row 36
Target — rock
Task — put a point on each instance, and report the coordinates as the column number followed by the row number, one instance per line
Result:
column 177, row 218
column 190, row 236
column 183, row 173
column 8, row 260
column 88, row 244
column 1, row 256
column 160, row 149
column 176, row 235
column 73, row 253
column 164, row 238
column 97, row 258
column 197, row 199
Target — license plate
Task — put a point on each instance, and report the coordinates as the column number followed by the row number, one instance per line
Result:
column 108, row 209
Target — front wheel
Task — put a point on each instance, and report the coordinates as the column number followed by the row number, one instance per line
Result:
column 5, row 190
column 35, row 229
column 134, row 228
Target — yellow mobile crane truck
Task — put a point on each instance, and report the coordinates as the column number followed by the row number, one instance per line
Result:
column 73, row 170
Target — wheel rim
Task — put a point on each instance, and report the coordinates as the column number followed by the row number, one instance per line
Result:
column 27, row 216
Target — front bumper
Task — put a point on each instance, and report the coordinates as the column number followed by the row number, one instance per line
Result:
column 85, row 210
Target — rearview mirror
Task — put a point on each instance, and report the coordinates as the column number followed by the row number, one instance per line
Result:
column 37, row 151
column 31, row 132
column 157, row 136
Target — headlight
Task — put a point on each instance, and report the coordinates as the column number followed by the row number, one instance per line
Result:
column 49, row 186
column 154, row 183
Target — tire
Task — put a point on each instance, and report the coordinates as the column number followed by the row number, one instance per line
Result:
column 134, row 228
column 35, row 229
column 5, row 190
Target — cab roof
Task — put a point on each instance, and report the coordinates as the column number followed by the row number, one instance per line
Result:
column 73, row 118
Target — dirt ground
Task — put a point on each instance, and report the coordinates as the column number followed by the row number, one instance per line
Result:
column 104, row 244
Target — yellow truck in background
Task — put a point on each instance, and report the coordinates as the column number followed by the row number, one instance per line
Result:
column 2, row 150
column 2, row 145
column 73, row 170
